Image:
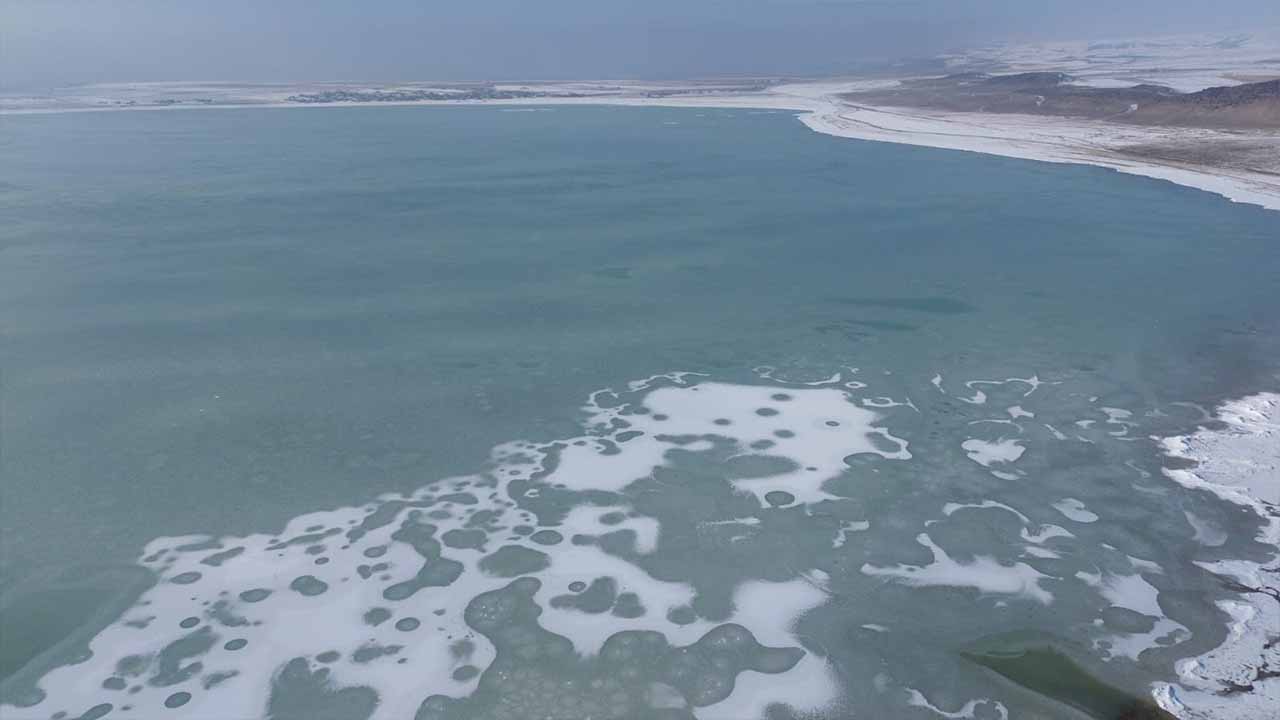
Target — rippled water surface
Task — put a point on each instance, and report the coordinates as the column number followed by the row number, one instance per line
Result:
column 602, row 413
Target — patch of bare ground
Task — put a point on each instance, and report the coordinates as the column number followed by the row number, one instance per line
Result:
column 1259, row 154
column 1254, row 105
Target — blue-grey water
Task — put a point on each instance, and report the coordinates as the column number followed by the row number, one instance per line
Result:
column 304, row 416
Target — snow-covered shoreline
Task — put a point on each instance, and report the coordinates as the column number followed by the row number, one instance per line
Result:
column 1241, row 464
column 1055, row 140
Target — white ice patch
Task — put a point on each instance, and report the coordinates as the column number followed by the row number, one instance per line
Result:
column 815, row 428
column 888, row 402
column 1245, row 456
column 588, row 631
column 353, row 589
column 1241, row 464
column 1091, row 579
column 1044, row 533
column 842, row 536
column 284, row 625
column 950, row 508
column 679, row 378
column 596, row 520
column 983, row 573
column 1039, row 552
column 986, row 452
column 1036, row 534
column 766, row 372
column 915, row 698
column 1119, row 418
column 770, row 610
column 1055, row 432
column 1206, row 533
column 1073, row 509
column 979, row 397
column 1133, row 592
column 996, row 421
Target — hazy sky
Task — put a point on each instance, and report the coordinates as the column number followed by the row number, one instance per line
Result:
column 55, row 42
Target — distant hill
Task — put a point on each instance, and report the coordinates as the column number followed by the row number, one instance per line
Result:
column 1252, row 105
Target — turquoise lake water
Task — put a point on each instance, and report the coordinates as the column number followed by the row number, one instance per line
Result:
column 244, row 329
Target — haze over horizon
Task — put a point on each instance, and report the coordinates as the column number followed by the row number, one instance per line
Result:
column 63, row 42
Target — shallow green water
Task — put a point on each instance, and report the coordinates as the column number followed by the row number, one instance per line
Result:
column 215, row 322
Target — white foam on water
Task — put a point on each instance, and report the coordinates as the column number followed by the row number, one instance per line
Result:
column 1035, row 534
column 810, row 685
column 888, row 402
column 813, row 427
column 818, row 428
column 588, row 631
column 679, row 378
column 983, row 573
column 319, row 581
column 951, row 508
